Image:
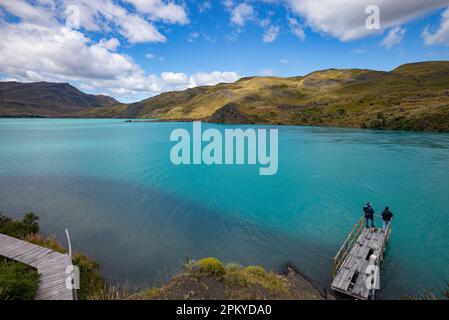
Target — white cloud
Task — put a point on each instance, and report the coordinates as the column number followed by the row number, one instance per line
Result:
column 242, row 13
column 266, row 72
column 394, row 37
column 441, row 34
column 25, row 11
column 204, row 6
column 111, row 44
column 32, row 52
column 192, row 36
column 271, row 34
column 150, row 56
column 39, row 47
column 296, row 28
column 158, row 10
column 195, row 35
column 228, row 4
column 345, row 20
column 284, row 61
column 175, row 78
column 212, row 78
column 137, row 30
column 100, row 16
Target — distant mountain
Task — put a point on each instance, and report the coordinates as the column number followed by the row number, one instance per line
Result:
column 46, row 99
column 412, row 97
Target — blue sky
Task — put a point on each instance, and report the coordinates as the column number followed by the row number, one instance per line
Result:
column 133, row 49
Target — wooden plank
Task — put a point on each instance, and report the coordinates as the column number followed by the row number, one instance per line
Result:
column 12, row 248
column 50, row 265
column 53, row 284
column 54, row 294
column 25, row 256
column 350, row 272
column 47, row 260
column 343, row 278
column 370, row 241
column 52, row 277
column 34, row 260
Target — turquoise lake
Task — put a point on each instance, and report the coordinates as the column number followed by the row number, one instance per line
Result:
column 111, row 183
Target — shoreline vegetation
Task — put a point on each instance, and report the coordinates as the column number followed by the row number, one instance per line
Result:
column 210, row 279
column 17, row 280
column 412, row 97
column 205, row 279
column 27, row 229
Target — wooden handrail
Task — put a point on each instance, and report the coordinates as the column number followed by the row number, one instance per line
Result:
column 347, row 245
column 387, row 237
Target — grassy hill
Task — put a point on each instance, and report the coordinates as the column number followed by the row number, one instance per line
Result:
column 411, row 97
column 46, row 99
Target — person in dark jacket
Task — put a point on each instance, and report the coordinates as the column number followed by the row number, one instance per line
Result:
column 386, row 217
column 369, row 214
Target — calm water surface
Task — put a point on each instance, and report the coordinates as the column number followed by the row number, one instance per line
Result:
column 113, row 185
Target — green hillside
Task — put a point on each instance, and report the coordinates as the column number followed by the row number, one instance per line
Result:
column 411, row 97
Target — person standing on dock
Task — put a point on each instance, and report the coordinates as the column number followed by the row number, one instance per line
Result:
column 386, row 217
column 369, row 214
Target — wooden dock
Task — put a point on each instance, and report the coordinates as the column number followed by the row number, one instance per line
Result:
column 352, row 260
column 50, row 265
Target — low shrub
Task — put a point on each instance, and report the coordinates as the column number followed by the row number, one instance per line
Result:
column 240, row 278
column 19, row 228
column 212, row 266
column 17, row 281
column 92, row 283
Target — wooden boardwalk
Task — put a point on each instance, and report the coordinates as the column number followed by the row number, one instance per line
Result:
column 50, row 265
column 353, row 258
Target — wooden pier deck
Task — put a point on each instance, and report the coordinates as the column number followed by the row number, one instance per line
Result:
column 50, row 265
column 353, row 259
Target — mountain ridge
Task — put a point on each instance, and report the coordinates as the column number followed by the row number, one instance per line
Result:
column 46, row 99
column 413, row 96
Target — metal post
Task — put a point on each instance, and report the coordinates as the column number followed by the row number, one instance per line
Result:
column 69, row 243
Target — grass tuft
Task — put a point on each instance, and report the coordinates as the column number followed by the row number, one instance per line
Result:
column 49, row 242
column 212, row 266
column 17, row 281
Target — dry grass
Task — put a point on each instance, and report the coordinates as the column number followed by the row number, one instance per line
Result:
column 412, row 97
column 111, row 291
column 49, row 242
